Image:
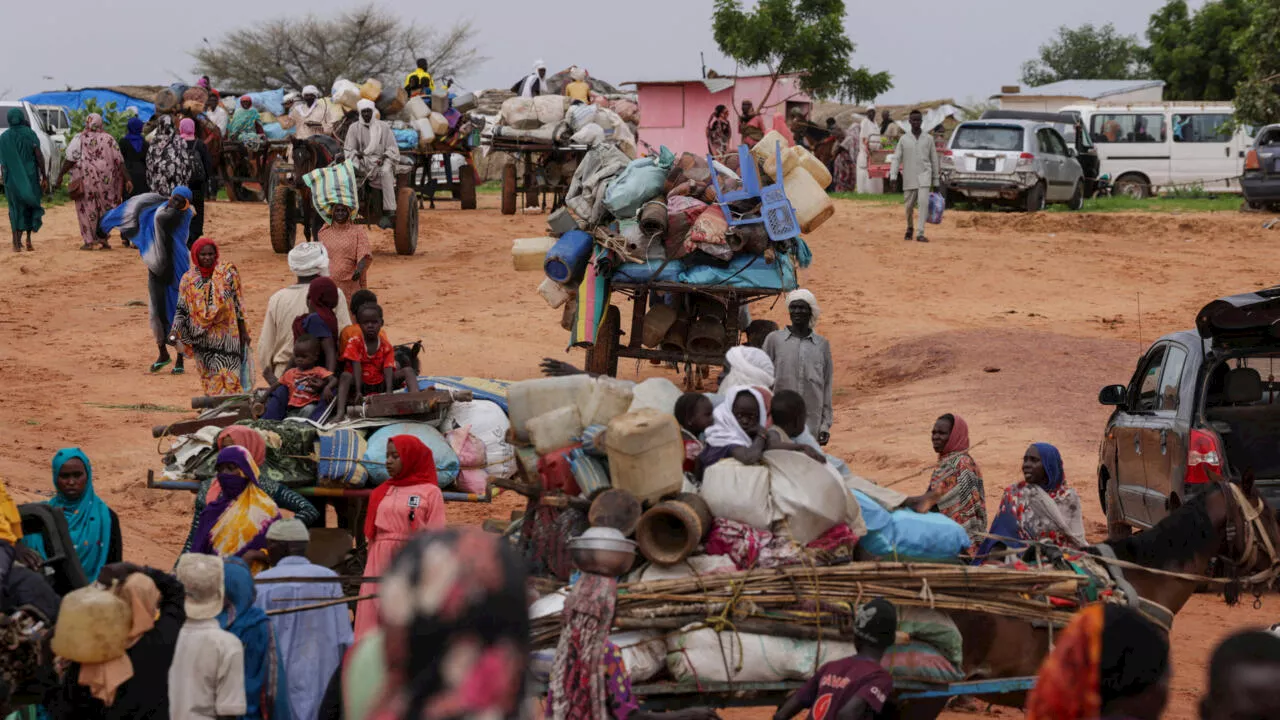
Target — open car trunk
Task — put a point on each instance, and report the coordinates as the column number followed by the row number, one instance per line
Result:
column 1242, row 405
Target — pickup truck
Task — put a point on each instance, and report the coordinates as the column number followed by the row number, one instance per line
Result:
column 52, row 144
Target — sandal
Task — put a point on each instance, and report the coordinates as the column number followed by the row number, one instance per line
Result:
column 159, row 365
column 87, row 246
column 180, row 370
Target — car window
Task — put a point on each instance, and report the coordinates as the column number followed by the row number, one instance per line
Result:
column 987, row 137
column 1055, row 140
column 1202, row 128
column 1043, row 145
column 1127, row 128
column 1171, row 378
column 1149, row 381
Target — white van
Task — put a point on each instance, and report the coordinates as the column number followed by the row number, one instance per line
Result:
column 1152, row 147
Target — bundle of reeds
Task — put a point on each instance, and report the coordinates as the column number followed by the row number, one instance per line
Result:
column 810, row 602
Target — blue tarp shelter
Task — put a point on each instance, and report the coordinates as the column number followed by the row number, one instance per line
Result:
column 75, row 100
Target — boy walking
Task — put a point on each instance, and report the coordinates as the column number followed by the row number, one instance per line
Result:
column 206, row 679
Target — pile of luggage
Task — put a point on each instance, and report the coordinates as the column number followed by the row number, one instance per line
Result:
column 439, row 121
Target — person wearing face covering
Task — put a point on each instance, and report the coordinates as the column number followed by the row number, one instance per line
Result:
column 408, row 503
column 158, row 226
column 236, row 521
column 136, row 685
column 372, row 147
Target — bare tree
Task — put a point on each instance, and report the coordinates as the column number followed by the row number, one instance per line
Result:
column 368, row 42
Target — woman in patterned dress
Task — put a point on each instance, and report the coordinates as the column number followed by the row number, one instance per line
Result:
column 168, row 160
column 209, row 322
column 94, row 161
column 1041, row 508
column 955, row 489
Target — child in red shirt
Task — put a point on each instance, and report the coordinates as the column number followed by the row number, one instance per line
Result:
column 308, row 382
column 370, row 361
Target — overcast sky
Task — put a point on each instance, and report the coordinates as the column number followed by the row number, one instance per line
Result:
column 963, row 50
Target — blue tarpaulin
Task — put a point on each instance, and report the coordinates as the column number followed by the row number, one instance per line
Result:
column 76, row 99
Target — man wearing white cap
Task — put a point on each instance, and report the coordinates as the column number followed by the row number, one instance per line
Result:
column 307, row 261
column 311, row 643
column 802, row 363
column 313, row 115
column 206, row 679
column 372, row 147
column 533, row 84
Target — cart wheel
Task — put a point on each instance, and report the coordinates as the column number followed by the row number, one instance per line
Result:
column 406, row 221
column 467, row 187
column 602, row 357
column 284, row 227
column 509, row 190
column 530, row 188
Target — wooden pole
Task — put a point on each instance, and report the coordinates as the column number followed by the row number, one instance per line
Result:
column 321, row 605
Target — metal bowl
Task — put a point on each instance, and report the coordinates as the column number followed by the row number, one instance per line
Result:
column 603, row 551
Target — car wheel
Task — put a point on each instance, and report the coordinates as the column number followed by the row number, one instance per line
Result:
column 1118, row 527
column 1076, row 203
column 1134, row 186
column 1033, row 201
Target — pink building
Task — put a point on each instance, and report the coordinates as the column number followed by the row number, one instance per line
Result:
column 675, row 112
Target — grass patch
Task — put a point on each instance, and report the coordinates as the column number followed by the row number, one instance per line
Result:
column 866, row 198
column 1210, row 203
column 59, row 197
column 138, row 407
column 493, row 187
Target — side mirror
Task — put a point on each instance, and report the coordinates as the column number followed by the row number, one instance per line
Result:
column 1113, row 395
column 1071, row 152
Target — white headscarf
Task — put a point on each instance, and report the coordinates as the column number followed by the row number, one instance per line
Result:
column 725, row 430
column 539, row 65
column 311, row 90
column 807, row 298
column 367, row 104
column 748, row 366
column 577, row 73
column 309, row 259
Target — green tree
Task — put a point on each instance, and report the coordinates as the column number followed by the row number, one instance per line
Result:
column 1086, row 53
column 1195, row 54
column 1258, row 93
column 797, row 36
column 294, row 52
column 114, row 121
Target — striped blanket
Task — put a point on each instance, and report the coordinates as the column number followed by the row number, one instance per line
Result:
column 333, row 185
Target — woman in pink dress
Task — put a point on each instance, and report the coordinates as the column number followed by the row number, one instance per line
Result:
column 403, row 506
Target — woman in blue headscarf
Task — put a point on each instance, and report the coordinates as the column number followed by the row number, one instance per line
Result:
column 158, row 227
column 133, row 147
column 1041, row 508
column 94, row 527
column 266, row 690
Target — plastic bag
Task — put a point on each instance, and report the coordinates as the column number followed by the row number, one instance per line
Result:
column 638, row 183
column 472, row 454
column 937, row 204
column 376, row 456
column 346, row 94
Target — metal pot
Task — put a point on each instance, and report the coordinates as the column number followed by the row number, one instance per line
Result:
column 603, row 551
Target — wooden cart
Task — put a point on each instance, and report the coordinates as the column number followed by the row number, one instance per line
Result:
column 603, row 355
column 536, row 172
column 287, row 214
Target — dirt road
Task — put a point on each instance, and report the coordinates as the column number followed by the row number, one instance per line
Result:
column 1012, row 321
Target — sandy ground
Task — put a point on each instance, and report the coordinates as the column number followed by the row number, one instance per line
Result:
column 1012, row 321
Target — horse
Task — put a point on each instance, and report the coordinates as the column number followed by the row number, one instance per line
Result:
column 313, row 153
column 1163, row 566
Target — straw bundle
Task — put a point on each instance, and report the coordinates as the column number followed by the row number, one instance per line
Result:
column 809, row 602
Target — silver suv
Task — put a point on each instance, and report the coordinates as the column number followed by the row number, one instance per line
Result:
column 1015, row 162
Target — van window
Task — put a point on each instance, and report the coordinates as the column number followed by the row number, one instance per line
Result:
column 987, row 137
column 1171, row 378
column 1201, row 128
column 1127, row 128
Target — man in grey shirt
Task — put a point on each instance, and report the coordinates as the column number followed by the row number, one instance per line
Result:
column 917, row 156
column 802, row 363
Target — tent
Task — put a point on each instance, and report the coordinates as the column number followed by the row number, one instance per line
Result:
column 76, row 99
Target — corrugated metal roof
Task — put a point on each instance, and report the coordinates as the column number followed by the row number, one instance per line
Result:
column 1092, row 89
column 709, row 82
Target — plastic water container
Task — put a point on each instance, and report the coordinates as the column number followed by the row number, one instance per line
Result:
column 426, row 135
column 813, row 205
column 530, row 253
column 646, row 454
column 656, row 394
column 371, row 89
column 440, row 100
column 530, row 398
column 93, row 626
column 555, row 430
column 465, row 102
column 813, row 165
column 417, row 108
column 553, row 292
column 765, row 155
column 439, row 124
column 346, row 94
column 609, row 399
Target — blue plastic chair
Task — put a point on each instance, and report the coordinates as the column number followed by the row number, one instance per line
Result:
column 776, row 213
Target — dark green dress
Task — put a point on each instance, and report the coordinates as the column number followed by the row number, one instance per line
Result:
column 18, row 146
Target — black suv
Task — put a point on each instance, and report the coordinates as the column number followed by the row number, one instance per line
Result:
column 1200, row 400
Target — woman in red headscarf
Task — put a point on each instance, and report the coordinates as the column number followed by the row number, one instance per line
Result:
column 955, row 489
column 209, row 322
column 408, row 503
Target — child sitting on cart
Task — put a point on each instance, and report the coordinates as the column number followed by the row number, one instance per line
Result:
column 858, row 687
column 308, row 382
column 370, row 362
